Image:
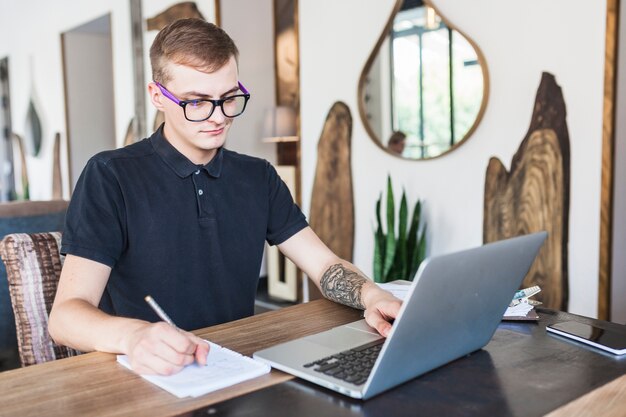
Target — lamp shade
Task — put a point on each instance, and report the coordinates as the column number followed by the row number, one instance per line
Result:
column 279, row 125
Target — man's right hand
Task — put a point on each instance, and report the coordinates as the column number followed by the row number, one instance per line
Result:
column 159, row 348
column 77, row 322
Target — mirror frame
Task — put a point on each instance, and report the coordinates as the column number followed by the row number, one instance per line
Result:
column 368, row 66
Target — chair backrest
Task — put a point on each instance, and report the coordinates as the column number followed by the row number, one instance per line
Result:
column 22, row 217
column 33, row 263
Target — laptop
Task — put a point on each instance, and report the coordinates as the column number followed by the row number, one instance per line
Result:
column 453, row 308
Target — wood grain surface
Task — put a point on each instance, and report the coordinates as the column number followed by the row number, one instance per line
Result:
column 534, row 194
column 182, row 10
column 57, row 178
column 608, row 149
column 95, row 384
column 332, row 201
column 606, row 401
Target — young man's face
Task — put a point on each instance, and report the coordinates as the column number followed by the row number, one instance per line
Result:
column 198, row 141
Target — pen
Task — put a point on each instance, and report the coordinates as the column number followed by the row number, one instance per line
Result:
column 157, row 309
column 526, row 292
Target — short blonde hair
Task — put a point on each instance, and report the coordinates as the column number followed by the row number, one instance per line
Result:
column 191, row 42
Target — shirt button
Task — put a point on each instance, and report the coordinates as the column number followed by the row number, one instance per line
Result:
column 197, row 172
column 200, row 192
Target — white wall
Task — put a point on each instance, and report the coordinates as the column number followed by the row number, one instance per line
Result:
column 519, row 40
column 30, row 32
column 251, row 25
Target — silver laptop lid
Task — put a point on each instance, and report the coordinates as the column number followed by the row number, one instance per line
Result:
column 452, row 309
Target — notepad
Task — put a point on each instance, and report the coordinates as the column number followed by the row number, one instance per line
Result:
column 224, row 368
column 399, row 289
column 521, row 311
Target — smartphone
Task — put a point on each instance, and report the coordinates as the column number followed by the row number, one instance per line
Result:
column 613, row 340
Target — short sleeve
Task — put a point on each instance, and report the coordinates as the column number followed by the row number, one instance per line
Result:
column 95, row 222
column 285, row 217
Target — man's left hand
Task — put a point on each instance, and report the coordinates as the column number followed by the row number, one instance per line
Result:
column 383, row 309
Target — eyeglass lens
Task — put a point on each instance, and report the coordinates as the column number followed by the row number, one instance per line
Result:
column 199, row 110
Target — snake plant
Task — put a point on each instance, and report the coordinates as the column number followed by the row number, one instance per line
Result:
column 398, row 257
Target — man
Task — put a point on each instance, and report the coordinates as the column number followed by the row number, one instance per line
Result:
column 178, row 217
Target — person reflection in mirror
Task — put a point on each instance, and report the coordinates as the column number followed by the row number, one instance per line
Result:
column 397, row 142
column 181, row 218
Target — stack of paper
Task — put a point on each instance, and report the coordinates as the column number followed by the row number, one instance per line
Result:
column 518, row 310
column 224, row 368
column 522, row 307
column 398, row 289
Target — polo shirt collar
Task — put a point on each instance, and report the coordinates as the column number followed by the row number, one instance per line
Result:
column 179, row 163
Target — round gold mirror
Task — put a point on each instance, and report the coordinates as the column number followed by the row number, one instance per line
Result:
column 424, row 88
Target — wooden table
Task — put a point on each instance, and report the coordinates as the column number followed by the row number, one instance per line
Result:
column 522, row 371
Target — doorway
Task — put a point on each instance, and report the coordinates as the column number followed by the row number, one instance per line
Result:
column 88, row 81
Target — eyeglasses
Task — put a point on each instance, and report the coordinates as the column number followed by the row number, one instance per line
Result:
column 200, row 110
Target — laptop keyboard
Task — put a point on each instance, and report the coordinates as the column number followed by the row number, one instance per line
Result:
column 353, row 365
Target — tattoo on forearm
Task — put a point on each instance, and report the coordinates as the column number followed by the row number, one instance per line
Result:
column 343, row 286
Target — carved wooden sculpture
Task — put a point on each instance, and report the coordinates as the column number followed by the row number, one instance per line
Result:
column 17, row 140
column 182, row 10
column 57, row 180
column 159, row 119
column 534, row 195
column 130, row 138
column 332, row 205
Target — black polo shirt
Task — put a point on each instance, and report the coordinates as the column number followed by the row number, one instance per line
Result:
column 191, row 236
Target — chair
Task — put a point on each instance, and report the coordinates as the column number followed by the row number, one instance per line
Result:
column 22, row 217
column 33, row 263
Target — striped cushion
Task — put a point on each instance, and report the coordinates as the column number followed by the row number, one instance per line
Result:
column 33, row 264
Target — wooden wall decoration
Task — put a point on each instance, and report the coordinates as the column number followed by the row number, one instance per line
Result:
column 183, row 10
column 159, row 119
column 57, row 179
column 332, row 202
column 534, row 195
column 33, row 130
column 19, row 156
column 8, row 178
column 139, row 124
column 286, row 50
column 287, row 75
column 608, row 150
column 129, row 137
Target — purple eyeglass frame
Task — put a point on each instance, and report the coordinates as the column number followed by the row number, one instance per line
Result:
column 216, row 103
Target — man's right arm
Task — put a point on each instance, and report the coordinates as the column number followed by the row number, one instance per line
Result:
column 76, row 321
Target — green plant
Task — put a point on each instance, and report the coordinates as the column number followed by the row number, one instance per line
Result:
column 398, row 258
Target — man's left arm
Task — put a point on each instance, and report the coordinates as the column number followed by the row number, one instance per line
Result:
column 340, row 281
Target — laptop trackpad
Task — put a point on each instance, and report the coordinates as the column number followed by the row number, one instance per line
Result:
column 343, row 337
